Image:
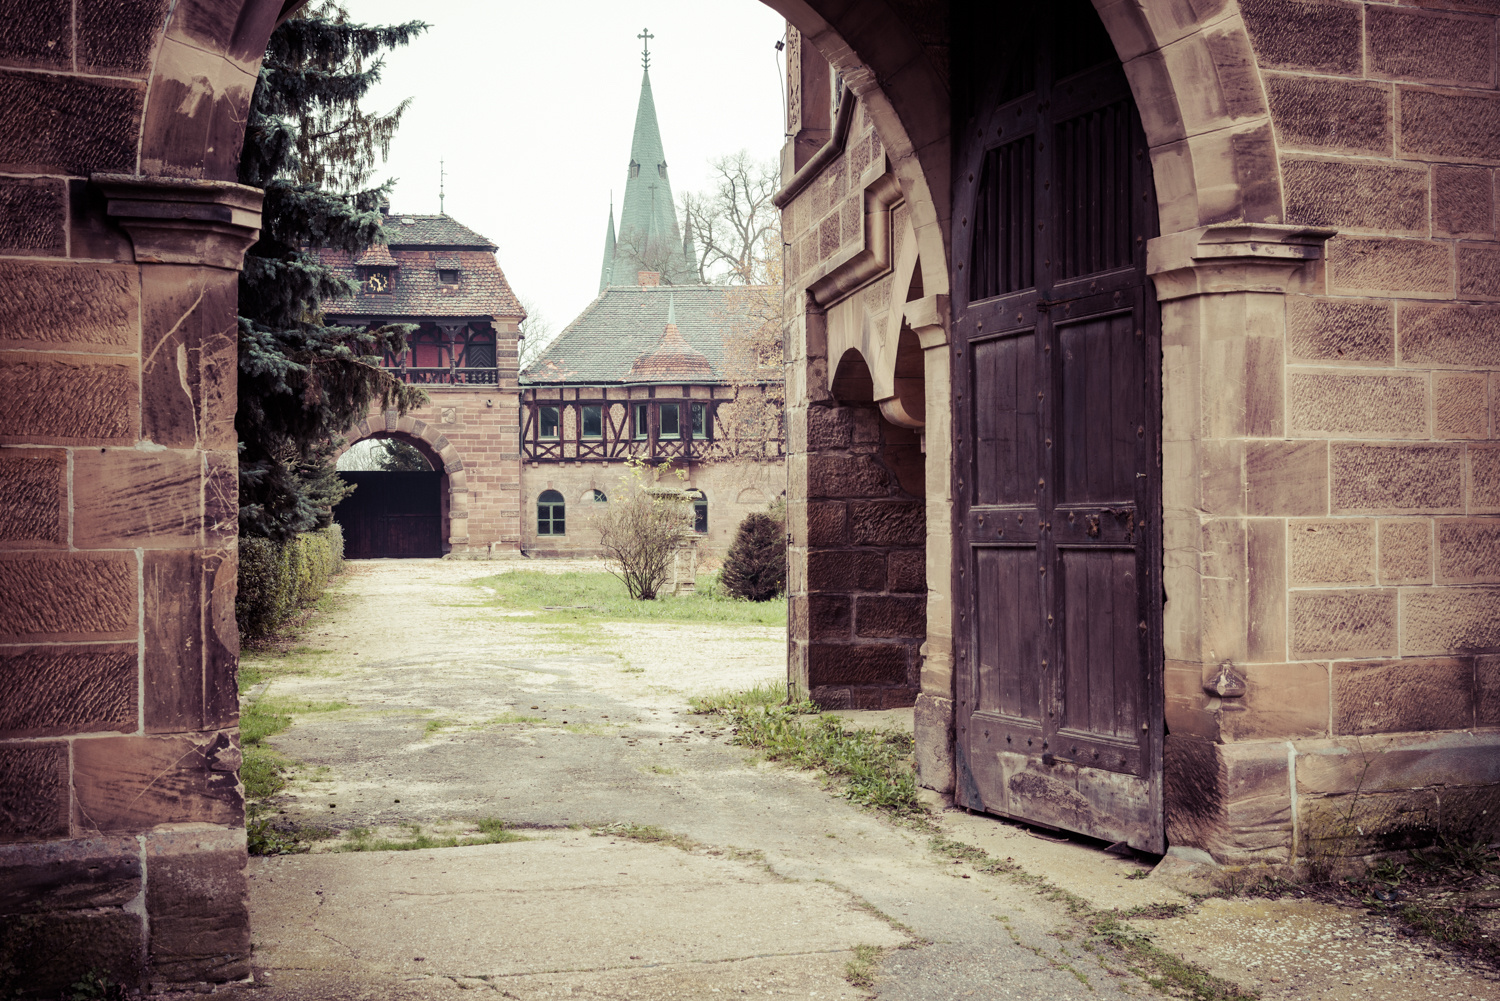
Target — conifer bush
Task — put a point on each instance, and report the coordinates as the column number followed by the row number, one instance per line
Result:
column 756, row 567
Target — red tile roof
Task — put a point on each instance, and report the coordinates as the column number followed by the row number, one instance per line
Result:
column 377, row 256
column 416, row 292
column 672, row 360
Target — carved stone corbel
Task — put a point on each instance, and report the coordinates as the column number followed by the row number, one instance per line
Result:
column 928, row 318
column 182, row 220
column 1231, row 257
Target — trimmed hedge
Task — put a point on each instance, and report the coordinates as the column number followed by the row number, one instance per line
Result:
column 277, row 580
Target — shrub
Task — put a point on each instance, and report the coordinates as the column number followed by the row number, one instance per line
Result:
column 277, row 580
column 756, row 567
column 642, row 528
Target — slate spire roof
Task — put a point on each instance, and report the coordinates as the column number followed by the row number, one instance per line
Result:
column 649, row 238
column 609, row 247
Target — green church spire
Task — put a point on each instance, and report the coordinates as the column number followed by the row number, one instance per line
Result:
column 609, row 246
column 649, row 238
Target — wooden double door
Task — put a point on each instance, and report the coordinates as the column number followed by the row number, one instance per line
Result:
column 1058, row 463
column 391, row 515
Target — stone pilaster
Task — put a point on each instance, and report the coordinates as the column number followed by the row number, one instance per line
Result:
column 118, row 487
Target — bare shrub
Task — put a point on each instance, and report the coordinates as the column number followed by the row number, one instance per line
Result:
column 643, row 526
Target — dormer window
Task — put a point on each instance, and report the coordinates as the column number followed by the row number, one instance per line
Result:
column 378, row 280
column 661, row 170
column 635, row 169
column 448, row 276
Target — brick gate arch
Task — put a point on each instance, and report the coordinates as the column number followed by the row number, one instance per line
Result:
column 436, row 449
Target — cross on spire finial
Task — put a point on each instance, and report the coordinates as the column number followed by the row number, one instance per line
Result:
column 645, row 36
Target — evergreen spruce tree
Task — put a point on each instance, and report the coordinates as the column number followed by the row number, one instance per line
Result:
column 756, row 566
column 302, row 382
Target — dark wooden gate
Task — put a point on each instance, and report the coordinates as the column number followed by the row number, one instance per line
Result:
column 391, row 515
column 1058, row 463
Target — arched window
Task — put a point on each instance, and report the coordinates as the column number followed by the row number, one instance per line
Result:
column 700, row 511
column 600, row 498
column 549, row 514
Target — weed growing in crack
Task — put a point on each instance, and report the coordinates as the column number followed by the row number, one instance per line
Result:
column 765, row 694
column 914, row 939
column 875, row 767
column 648, row 833
column 1165, row 972
column 491, row 832
column 860, row 970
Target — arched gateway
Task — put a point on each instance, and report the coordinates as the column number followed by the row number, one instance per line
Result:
column 1329, row 528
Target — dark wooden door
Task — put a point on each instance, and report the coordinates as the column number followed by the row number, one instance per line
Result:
column 1057, row 386
column 391, row 515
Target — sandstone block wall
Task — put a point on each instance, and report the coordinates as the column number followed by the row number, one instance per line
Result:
column 1329, row 438
column 858, row 613
column 118, row 643
column 473, row 436
column 122, row 842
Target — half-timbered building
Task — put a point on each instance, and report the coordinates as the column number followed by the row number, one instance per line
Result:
column 642, row 373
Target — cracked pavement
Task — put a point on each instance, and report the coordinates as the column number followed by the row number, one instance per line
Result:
column 458, row 710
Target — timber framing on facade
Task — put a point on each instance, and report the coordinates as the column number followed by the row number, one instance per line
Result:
column 1321, row 267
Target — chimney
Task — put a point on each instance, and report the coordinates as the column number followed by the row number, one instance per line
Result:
column 648, row 277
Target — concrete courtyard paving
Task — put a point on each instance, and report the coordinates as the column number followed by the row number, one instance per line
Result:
column 456, row 710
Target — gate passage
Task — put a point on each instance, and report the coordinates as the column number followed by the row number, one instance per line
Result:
column 1058, row 478
column 391, row 515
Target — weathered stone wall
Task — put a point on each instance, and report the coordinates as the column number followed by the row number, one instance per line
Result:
column 869, row 514
column 1343, row 455
column 122, row 842
column 1330, row 410
column 858, row 612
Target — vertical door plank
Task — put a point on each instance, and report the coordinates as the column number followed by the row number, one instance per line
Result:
column 1075, row 615
column 1102, row 614
column 1127, row 645
column 1097, row 433
column 1125, row 415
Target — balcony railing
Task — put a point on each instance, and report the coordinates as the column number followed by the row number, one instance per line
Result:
column 451, row 375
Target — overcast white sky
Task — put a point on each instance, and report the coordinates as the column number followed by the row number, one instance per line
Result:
column 531, row 104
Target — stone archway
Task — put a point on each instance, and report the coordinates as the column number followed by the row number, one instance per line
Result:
column 120, row 234
column 437, row 450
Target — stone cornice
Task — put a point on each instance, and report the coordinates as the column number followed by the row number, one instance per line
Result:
column 1231, row 257
column 180, row 220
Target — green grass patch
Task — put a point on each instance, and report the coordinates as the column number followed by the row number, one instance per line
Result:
column 266, row 664
column 433, row 726
column 646, row 833
column 875, row 767
column 491, row 832
column 861, row 968
column 584, row 596
column 765, row 694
